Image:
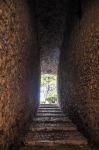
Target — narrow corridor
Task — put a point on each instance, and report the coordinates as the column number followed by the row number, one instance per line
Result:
column 53, row 130
column 49, row 37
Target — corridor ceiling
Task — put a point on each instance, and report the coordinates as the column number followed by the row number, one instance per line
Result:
column 51, row 20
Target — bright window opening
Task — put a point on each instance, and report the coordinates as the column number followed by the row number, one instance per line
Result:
column 48, row 90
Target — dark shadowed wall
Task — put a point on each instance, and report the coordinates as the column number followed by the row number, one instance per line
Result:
column 79, row 66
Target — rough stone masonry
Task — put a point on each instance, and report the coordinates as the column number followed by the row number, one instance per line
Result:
column 34, row 29
column 19, row 68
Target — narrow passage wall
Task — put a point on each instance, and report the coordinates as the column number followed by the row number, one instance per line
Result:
column 19, row 68
column 79, row 66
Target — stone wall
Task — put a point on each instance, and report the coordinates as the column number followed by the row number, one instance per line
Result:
column 79, row 66
column 19, row 68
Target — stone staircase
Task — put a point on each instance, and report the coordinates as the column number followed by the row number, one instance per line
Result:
column 53, row 130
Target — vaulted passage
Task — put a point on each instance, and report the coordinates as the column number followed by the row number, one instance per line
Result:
column 49, row 37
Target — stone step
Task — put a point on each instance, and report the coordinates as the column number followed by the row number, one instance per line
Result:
column 52, row 124
column 49, row 109
column 50, row 129
column 54, row 135
column 49, row 106
column 57, row 142
column 49, row 115
column 49, row 118
column 56, row 147
column 53, row 111
column 51, row 121
column 60, row 137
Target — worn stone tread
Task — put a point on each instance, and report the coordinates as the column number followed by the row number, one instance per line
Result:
column 49, row 111
column 52, row 124
column 55, row 147
column 54, row 129
column 58, row 142
column 55, row 135
column 49, row 118
column 50, row 115
column 48, row 106
column 51, row 129
column 52, row 121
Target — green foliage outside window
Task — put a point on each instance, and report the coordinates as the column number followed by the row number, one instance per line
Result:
column 49, row 88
